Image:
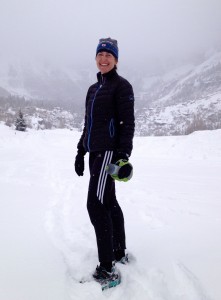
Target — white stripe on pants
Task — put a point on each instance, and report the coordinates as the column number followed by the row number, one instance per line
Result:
column 103, row 175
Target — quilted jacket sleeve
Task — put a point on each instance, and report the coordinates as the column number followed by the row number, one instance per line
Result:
column 125, row 116
column 80, row 145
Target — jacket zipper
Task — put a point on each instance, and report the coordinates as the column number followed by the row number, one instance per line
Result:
column 111, row 128
column 91, row 114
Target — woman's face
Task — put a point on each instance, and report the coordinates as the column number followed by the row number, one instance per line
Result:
column 105, row 61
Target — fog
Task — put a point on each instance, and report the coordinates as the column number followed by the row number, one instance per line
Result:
column 148, row 31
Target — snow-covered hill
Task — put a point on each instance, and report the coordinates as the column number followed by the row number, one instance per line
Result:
column 172, row 214
column 181, row 118
column 182, row 101
column 43, row 81
column 184, row 84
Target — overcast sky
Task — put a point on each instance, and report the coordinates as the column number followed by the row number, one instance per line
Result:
column 68, row 30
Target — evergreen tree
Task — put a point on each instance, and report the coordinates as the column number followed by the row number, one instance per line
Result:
column 20, row 123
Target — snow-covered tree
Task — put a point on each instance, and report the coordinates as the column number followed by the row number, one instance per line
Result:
column 20, row 123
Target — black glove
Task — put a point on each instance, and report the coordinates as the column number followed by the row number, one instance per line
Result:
column 79, row 164
column 122, row 155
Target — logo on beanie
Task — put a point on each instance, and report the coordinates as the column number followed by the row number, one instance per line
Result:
column 104, row 45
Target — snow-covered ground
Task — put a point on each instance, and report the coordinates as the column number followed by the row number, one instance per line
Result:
column 172, row 209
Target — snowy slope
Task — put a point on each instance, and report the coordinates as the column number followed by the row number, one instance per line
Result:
column 187, row 83
column 181, row 101
column 172, row 213
column 40, row 81
column 181, row 118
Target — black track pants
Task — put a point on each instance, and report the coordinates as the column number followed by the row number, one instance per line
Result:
column 103, row 208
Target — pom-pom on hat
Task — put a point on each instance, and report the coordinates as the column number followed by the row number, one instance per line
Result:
column 108, row 45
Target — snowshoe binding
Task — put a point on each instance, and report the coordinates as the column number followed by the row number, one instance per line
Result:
column 107, row 279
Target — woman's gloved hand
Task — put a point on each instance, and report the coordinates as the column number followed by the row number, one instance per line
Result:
column 122, row 155
column 79, row 164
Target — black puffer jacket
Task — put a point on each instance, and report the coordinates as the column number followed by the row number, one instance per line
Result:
column 109, row 116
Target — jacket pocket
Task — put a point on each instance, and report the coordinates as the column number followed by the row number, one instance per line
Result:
column 111, row 128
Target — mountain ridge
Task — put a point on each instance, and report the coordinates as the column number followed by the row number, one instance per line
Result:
column 176, row 102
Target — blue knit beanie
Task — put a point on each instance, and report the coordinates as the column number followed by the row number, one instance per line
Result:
column 108, row 45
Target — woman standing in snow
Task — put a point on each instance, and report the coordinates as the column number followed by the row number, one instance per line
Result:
column 107, row 136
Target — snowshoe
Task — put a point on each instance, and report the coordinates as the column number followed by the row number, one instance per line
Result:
column 107, row 279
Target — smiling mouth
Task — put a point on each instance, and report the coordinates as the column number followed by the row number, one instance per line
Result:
column 103, row 65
